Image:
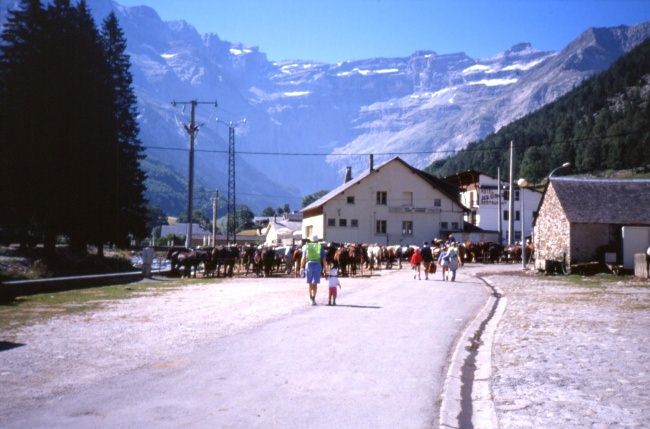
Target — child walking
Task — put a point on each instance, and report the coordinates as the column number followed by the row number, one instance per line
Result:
column 416, row 260
column 333, row 283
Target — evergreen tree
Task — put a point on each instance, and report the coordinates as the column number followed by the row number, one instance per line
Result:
column 70, row 151
column 131, row 212
column 20, row 104
column 269, row 211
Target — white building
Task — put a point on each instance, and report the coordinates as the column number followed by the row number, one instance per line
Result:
column 391, row 204
column 282, row 231
column 480, row 193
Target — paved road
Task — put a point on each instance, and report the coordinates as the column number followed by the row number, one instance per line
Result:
column 376, row 360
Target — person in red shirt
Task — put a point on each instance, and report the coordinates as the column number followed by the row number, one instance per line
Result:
column 416, row 261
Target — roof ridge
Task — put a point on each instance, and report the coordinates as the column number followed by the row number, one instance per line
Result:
column 598, row 179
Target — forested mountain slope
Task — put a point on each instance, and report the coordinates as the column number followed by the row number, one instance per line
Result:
column 602, row 124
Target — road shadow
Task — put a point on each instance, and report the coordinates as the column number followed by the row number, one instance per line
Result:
column 8, row 345
column 354, row 306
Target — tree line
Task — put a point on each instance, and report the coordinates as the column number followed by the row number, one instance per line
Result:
column 603, row 124
column 70, row 152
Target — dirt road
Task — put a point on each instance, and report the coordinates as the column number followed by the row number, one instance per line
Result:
column 243, row 353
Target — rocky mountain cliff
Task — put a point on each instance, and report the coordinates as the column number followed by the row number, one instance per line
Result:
column 323, row 117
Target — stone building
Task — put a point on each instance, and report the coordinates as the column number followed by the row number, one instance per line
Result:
column 580, row 219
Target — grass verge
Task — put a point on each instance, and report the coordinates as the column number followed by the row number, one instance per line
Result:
column 28, row 310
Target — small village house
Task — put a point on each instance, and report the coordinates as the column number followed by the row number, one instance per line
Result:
column 580, row 220
column 281, row 230
column 393, row 203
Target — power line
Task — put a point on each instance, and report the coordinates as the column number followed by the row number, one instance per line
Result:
column 429, row 152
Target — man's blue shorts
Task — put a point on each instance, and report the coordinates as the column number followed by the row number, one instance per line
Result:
column 312, row 272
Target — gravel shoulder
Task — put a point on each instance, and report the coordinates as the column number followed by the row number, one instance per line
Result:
column 69, row 351
column 571, row 352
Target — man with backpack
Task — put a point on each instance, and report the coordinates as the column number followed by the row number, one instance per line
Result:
column 313, row 261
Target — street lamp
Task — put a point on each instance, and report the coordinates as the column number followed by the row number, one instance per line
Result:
column 566, row 164
column 522, row 183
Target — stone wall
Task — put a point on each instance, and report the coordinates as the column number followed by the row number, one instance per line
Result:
column 586, row 239
column 552, row 232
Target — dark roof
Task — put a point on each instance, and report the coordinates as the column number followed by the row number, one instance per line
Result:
column 611, row 201
column 443, row 186
column 465, row 178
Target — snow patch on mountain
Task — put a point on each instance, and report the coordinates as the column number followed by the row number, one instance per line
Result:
column 494, row 82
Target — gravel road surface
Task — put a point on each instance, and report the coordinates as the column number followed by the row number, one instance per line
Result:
column 243, row 353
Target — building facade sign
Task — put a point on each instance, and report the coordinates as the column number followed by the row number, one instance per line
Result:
column 488, row 196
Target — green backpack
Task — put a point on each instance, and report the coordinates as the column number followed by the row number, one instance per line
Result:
column 313, row 252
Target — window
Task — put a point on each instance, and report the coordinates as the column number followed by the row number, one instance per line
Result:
column 331, row 222
column 454, row 226
column 517, row 235
column 444, row 226
column 516, row 214
column 407, row 227
column 516, row 195
column 505, row 215
column 354, row 223
column 382, row 197
column 350, row 199
column 380, row 227
column 506, row 194
column 408, row 198
column 437, row 202
column 343, row 223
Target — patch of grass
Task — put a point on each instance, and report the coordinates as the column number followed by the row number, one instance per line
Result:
column 603, row 281
column 27, row 310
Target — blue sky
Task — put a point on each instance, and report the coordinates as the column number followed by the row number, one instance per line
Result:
column 339, row 30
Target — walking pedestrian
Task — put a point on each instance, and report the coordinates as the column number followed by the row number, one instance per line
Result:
column 454, row 260
column 427, row 259
column 313, row 261
column 333, row 283
column 416, row 260
column 443, row 260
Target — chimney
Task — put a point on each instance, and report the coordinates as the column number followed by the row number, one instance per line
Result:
column 371, row 162
column 348, row 175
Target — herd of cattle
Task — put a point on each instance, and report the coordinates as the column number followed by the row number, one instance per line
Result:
column 351, row 259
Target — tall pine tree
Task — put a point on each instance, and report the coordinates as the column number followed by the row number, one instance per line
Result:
column 70, row 151
column 22, row 77
column 131, row 210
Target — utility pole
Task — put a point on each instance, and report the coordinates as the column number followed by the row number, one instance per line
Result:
column 192, row 128
column 215, row 211
column 232, row 206
column 231, row 223
column 499, row 210
column 511, row 198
